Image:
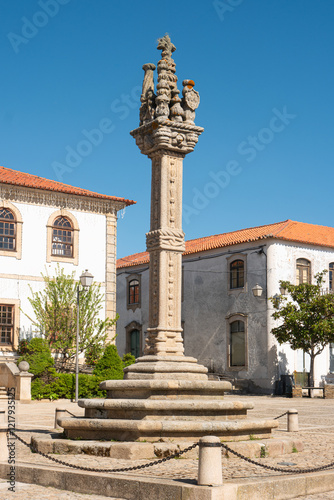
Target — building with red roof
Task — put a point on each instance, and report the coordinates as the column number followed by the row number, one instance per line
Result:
column 226, row 323
column 43, row 224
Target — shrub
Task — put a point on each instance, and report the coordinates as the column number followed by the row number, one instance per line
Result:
column 38, row 355
column 63, row 387
column 110, row 365
column 128, row 359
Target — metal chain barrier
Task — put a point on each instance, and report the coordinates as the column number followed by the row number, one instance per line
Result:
column 170, row 457
column 91, row 469
column 277, row 469
column 276, row 418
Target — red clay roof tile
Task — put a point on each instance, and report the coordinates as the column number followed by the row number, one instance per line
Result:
column 289, row 230
column 16, row 178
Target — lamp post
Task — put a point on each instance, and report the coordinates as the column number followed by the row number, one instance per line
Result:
column 86, row 280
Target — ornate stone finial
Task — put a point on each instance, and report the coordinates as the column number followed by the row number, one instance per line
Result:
column 167, row 47
column 168, row 102
column 147, row 98
column 190, row 100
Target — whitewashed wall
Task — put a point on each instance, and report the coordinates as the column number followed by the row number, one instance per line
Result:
column 16, row 275
column 282, row 266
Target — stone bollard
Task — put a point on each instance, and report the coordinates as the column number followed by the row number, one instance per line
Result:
column 293, row 420
column 60, row 412
column 3, row 437
column 210, row 470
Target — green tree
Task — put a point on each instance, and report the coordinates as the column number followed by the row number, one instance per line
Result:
column 55, row 309
column 307, row 316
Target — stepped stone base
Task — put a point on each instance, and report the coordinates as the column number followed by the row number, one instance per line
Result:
column 138, row 410
column 152, row 430
column 162, row 367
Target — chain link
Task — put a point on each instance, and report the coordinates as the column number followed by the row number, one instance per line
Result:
column 170, row 457
column 91, row 469
column 276, row 418
column 277, row 469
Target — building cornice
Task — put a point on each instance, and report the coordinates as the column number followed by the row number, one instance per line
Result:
column 43, row 197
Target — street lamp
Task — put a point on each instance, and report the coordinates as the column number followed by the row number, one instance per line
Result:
column 257, row 290
column 86, row 280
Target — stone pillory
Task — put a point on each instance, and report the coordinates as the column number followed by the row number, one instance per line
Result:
column 166, row 134
column 165, row 394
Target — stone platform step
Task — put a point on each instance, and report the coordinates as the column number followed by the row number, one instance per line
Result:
column 165, row 389
column 139, row 450
column 152, row 430
column 3, row 393
column 171, row 409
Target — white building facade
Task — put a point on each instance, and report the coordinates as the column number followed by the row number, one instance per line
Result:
column 226, row 327
column 45, row 224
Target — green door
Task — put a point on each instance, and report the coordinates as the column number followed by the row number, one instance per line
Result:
column 135, row 343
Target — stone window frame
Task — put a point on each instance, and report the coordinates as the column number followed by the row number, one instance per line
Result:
column 230, row 319
column 299, row 266
column 16, row 327
column 231, row 258
column 128, row 280
column 59, row 258
column 134, row 325
column 17, row 253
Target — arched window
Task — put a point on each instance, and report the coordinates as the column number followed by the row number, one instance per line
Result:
column 135, row 343
column 7, row 230
column 331, row 281
column 62, row 237
column 237, row 274
column 237, row 343
column 133, row 292
column 303, row 271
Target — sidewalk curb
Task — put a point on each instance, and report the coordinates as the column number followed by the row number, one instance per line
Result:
column 135, row 487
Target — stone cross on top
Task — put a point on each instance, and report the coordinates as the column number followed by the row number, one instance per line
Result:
column 166, row 133
column 166, row 103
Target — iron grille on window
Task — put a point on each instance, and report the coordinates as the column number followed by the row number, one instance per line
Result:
column 7, row 230
column 6, row 324
column 134, row 292
column 237, row 274
column 62, row 237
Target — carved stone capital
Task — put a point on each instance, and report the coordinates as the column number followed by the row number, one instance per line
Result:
column 178, row 137
column 165, row 239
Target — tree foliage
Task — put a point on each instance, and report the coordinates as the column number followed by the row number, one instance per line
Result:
column 110, row 365
column 37, row 353
column 307, row 316
column 55, row 309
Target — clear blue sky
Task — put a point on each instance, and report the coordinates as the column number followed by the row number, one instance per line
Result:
column 252, row 61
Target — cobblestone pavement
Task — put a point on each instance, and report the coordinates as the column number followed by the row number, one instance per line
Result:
column 316, row 420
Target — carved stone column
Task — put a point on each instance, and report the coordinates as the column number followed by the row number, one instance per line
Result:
column 165, row 242
column 167, row 133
